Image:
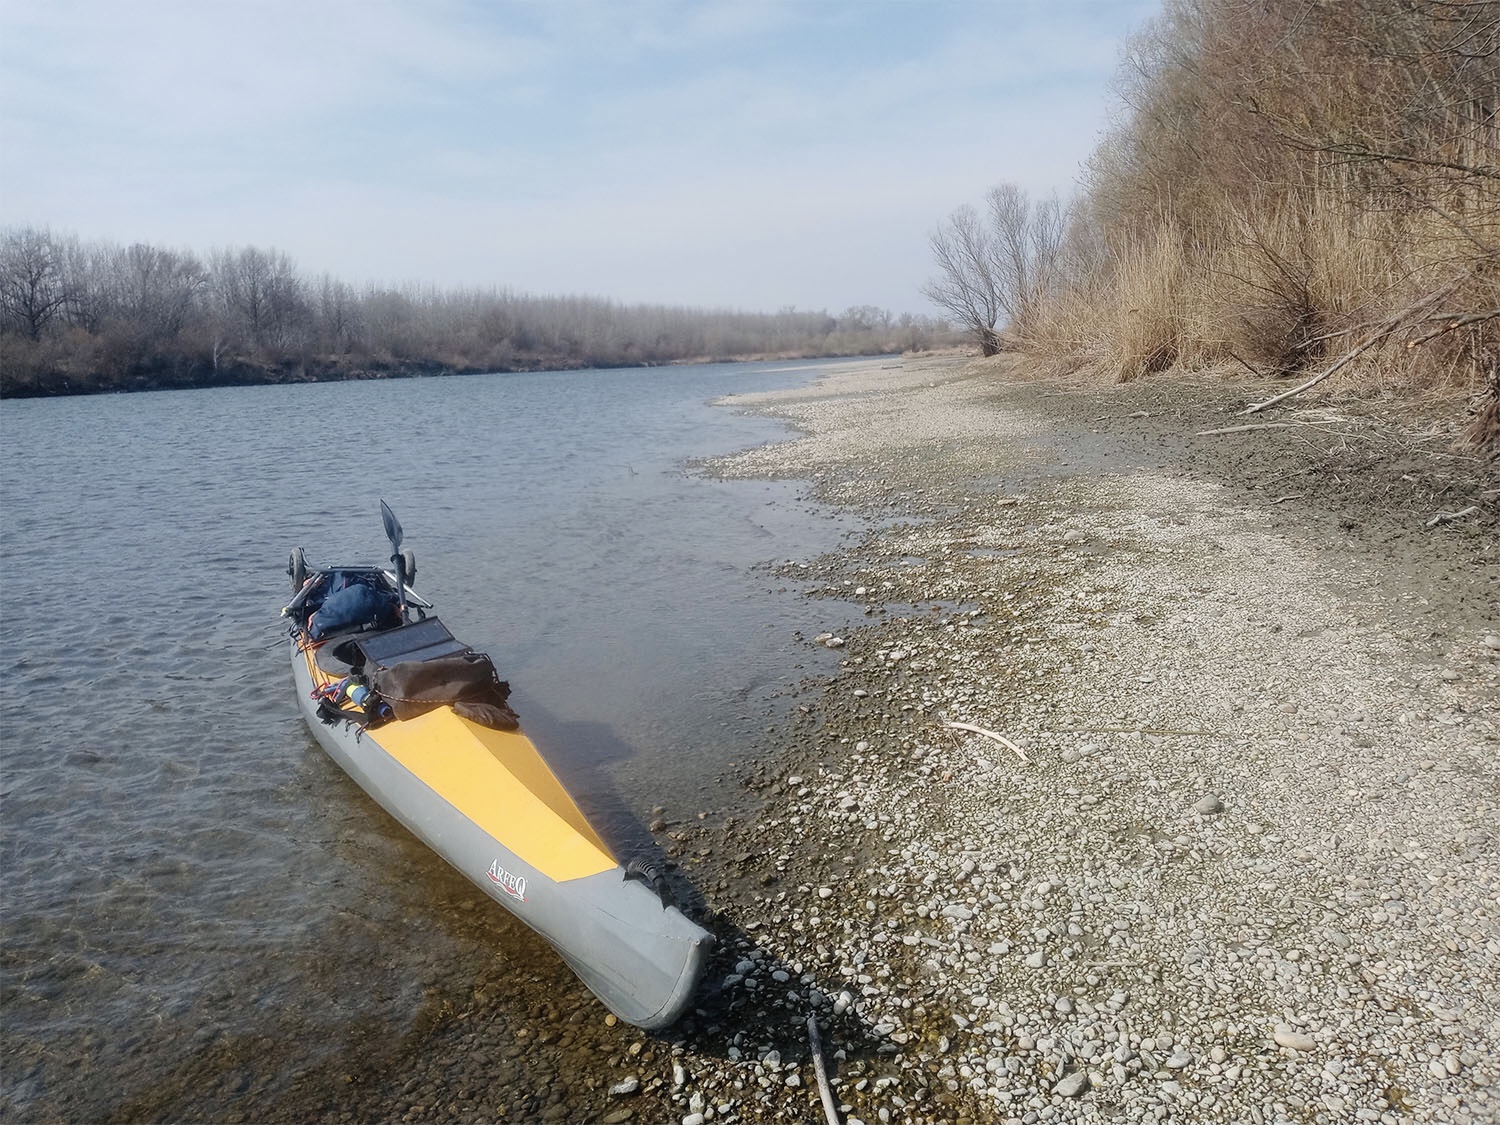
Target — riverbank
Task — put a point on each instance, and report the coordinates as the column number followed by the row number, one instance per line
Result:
column 1245, row 870
column 1231, row 857
column 201, row 373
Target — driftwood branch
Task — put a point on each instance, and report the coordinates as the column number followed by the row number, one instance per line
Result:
column 1348, row 357
column 825, row 1091
column 1243, row 429
column 1449, row 517
column 1000, row 738
column 1411, row 315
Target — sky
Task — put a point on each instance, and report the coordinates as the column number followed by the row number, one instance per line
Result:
column 739, row 154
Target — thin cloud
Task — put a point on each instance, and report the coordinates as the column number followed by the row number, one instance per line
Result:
column 750, row 155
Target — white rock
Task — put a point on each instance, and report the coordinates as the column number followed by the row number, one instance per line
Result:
column 629, row 1086
column 1292, row 1039
column 1072, row 1084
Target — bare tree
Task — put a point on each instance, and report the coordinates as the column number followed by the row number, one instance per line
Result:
column 32, row 282
column 263, row 296
column 1026, row 248
column 966, row 286
column 1007, row 267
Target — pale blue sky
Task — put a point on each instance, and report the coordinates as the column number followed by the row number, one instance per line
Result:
column 746, row 154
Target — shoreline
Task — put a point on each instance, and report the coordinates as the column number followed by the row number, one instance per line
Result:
column 241, row 373
column 1245, row 871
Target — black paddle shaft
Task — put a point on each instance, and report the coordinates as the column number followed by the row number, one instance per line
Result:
column 394, row 534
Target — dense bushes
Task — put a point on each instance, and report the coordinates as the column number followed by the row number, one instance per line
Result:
column 78, row 316
column 1291, row 181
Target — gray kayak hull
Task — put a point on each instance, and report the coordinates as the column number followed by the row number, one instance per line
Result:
column 641, row 958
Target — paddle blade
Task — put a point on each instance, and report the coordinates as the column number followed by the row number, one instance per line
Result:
column 392, row 527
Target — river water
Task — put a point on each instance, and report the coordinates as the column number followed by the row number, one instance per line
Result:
column 201, row 915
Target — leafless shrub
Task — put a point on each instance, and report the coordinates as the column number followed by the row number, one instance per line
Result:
column 1287, row 179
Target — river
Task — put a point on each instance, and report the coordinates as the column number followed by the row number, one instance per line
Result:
column 203, row 918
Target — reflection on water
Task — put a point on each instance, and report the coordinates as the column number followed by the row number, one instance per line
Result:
column 202, row 915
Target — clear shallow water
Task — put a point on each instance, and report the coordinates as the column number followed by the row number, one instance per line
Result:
column 197, row 904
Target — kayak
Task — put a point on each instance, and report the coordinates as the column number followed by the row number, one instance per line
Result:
column 423, row 724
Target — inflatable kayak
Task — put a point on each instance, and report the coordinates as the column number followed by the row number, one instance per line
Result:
column 423, row 724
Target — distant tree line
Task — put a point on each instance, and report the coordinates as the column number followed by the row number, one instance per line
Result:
column 1293, row 189
column 81, row 316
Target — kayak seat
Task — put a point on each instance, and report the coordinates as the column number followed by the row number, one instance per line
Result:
column 337, row 655
column 428, row 639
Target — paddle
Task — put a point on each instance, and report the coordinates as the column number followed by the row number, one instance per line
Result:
column 394, row 534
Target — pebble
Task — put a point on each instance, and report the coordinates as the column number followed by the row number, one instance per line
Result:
column 1492, row 641
column 1209, row 805
column 629, row 1086
column 1072, row 1085
column 1037, row 959
column 1293, row 1039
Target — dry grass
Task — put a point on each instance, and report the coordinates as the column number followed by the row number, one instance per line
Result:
column 1293, row 182
column 1277, row 295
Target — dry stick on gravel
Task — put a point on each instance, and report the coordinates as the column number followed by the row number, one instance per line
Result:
column 1000, row 738
column 1254, row 426
column 830, row 1108
column 1354, row 353
column 1449, row 517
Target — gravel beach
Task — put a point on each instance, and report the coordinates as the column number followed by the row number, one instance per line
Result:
column 1223, row 846
column 1215, row 840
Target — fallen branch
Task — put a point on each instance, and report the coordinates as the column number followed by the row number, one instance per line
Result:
column 1000, row 738
column 1289, row 496
column 1412, row 314
column 1253, row 426
column 830, row 1108
column 1348, row 357
column 1449, row 517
